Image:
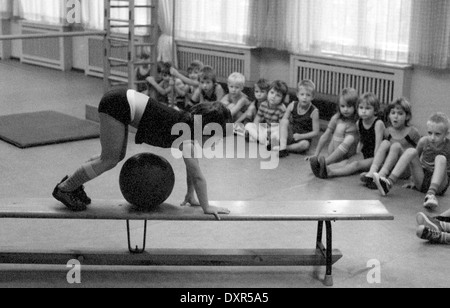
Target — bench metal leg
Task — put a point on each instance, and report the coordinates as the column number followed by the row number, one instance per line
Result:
column 329, row 275
column 327, row 252
column 137, row 250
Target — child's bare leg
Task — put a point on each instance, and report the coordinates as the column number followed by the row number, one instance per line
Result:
column 392, row 158
column 252, row 130
column 350, row 169
column 263, row 134
column 409, row 159
column 113, row 139
column 284, row 134
column 440, row 179
column 339, row 154
column 274, row 136
column 299, row 147
column 380, row 157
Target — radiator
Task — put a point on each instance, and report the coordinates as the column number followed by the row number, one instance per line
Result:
column 49, row 52
column 331, row 76
column 224, row 59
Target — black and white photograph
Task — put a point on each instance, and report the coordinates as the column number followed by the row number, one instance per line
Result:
column 227, row 151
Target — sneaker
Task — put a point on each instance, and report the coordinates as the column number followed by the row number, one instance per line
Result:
column 430, row 223
column 323, row 174
column 283, row 154
column 431, row 202
column 366, row 179
column 372, row 185
column 315, row 166
column 83, row 196
column 383, row 184
column 71, row 200
column 426, row 233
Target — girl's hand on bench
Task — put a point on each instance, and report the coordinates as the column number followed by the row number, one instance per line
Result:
column 213, row 210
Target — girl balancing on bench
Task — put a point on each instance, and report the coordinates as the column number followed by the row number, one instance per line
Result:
column 154, row 122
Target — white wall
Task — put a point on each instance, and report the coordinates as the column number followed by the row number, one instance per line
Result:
column 430, row 93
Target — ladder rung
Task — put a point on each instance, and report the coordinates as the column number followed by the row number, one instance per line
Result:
column 144, row 44
column 118, row 79
column 143, row 63
column 118, row 60
column 122, row 40
column 139, row 6
column 119, row 65
column 119, row 45
column 119, row 20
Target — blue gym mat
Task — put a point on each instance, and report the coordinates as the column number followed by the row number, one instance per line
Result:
column 35, row 129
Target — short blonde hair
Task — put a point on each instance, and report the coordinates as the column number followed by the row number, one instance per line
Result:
column 440, row 118
column 237, row 78
column 307, row 84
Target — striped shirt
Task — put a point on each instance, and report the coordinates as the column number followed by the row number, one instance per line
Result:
column 271, row 115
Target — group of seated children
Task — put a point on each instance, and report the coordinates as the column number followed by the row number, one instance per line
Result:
column 360, row 142
column 383, row 147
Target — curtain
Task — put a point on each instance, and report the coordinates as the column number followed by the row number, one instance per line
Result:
column 92, row 15
column 369, row 29
column 224, row 21
column 166, row 41
column 430, row 34
column 46, row 11
column 6, row 9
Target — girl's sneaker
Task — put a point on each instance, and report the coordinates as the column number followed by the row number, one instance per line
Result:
column 383, row 184
column 431, row 203
column 74, row 200
column 315, row 166
column 366, row 179
column 323, row 174
column 430, row 235
column 430, row 223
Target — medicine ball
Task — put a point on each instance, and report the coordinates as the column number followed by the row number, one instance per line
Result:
column 146, row 180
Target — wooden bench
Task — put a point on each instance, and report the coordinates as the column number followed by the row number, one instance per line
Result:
column 324, row 212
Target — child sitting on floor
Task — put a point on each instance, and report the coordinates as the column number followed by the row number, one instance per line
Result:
column 300, row 124
column 343, row 133
column 170, row 90
column 261, row 89
column 371, row 131
column 142, row 72
column 429, row 164
column 194, row 71
column 236, row 101
column 399, row 135
column 266, row 127
column 209, row 90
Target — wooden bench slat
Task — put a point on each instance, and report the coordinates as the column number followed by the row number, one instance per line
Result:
column 177, row 257
column 240, row 211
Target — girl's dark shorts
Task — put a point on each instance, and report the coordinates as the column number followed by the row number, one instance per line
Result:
column 115, row 104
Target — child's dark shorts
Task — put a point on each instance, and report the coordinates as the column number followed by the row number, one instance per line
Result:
column 428, row 177
column 291, row 139
column 115, row 104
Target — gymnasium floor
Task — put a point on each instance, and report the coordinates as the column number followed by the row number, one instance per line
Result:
column 405, row 260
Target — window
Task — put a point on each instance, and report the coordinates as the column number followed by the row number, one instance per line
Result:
column 218, row 20
column 370, row 29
